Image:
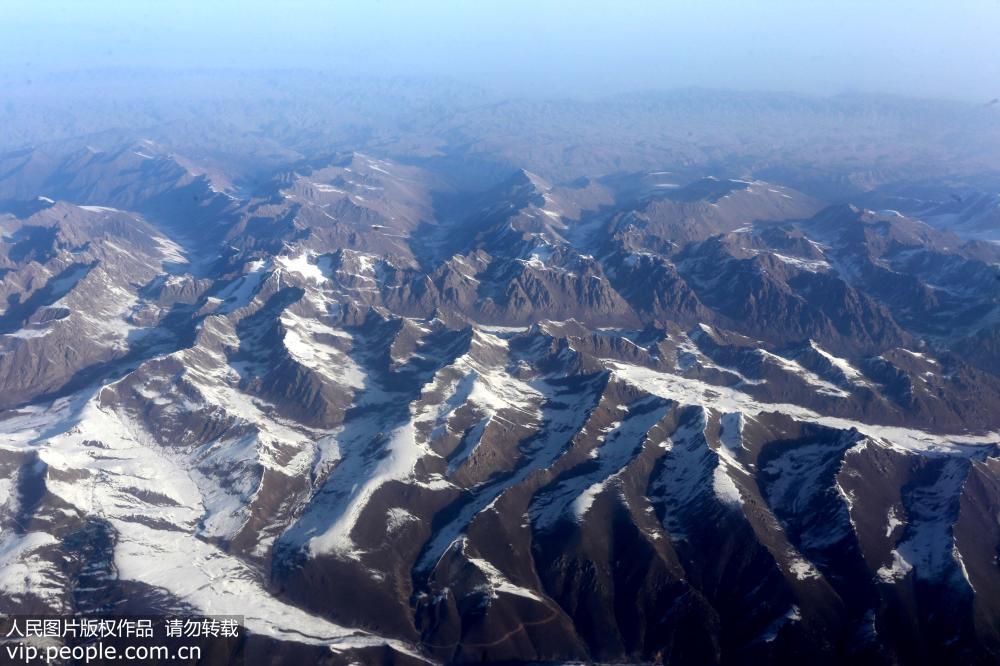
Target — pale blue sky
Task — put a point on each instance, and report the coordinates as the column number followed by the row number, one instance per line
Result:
column 928, row 48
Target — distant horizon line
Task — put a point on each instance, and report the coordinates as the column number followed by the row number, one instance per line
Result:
column 23, row 79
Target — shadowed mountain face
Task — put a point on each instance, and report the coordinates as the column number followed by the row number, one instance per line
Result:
column 632, row 415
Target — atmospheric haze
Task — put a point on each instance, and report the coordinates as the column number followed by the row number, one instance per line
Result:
column 919, row 48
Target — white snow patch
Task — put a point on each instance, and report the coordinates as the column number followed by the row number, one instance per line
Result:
column 727, row 399
column 810, row 265
column 24, row 572
column 803, row 570
column 169, row 250
column 849, row 371
column 892, row 522
column 811, row 378
column 496, row 582
column 304, row 341
column 303, row 265
column 896, row 570
column 29, row 333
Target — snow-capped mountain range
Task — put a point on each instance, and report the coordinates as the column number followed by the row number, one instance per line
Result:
column 646, row 416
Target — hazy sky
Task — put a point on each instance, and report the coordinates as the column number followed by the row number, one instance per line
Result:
column 933, row 48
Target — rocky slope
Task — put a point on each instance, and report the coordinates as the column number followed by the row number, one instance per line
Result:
column 620, row 419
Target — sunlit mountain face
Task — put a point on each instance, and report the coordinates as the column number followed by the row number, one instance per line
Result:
column 695, row 378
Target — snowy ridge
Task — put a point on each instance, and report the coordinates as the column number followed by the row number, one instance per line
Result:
column 724, row 399
column 80, row 435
